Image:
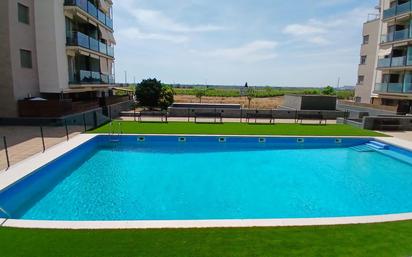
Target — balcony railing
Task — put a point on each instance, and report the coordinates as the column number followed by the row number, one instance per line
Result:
column 80, row 39
column 397, row 10
column 396, row 36
column 392, row 62
column 92, row 77
column 398, row 88
column 91, row 9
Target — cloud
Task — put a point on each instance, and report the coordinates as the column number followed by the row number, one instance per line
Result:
column 134, row 33
column 158, row 20
column 323, row 31
column 255, row 51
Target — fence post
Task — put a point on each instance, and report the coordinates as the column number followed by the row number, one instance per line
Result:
column 84, row 122
column 67, row 129
column 42, row 139
column 7, row 152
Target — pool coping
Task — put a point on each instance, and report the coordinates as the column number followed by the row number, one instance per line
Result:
column 26, row 167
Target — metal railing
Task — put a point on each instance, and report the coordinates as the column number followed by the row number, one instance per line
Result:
column 47, row 135
column 91, row 77
column 393, row 62
column 79, row 39
column 91, row 9
column 397, row 10
column 389, row 88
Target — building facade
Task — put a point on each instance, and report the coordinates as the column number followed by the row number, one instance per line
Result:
column 59, row 51
column 368, row 60
column 393, row 76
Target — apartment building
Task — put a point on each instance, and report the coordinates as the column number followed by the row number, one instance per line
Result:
column 57, row 52
column 393, row 79
column 367, row 71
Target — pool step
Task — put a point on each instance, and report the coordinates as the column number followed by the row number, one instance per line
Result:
column 377, row 145
column 363, row 148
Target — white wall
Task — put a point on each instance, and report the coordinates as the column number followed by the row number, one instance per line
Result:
column 51, row 46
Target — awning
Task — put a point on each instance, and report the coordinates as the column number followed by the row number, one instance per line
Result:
column 104, row 6
column 112, row 39
column 385, row 52
column 104, row 68
column 107, row 35
column 104, row 33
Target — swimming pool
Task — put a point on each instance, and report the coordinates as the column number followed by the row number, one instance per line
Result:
column 213, row 178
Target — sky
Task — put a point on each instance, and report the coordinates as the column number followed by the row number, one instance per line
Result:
column 309, row 43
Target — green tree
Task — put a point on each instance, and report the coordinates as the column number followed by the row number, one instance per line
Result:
column 200, row 93
column 328, row 91
column 151, row 93
column 166, row 97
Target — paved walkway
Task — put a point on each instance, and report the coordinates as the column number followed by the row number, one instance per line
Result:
column 24, row 142
column 407, row 135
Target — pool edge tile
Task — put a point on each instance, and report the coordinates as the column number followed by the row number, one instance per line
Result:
column 174, row 224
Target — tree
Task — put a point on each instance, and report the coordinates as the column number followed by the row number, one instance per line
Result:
column 328, row 91
column 151, row 93
column 250, row 94
column 166, row 97
column 199, row 93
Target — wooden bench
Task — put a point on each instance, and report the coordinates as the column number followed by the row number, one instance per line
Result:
column 260, row 116
column 310, row 116
column 216, row 116
column 156, row 114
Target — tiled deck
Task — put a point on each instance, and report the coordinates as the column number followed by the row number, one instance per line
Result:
column 24, row 142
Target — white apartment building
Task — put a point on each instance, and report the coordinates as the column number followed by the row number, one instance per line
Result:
column 390, row 82
column 61, row 51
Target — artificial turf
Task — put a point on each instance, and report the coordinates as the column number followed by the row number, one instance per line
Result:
column 130, row 127
column 377, row 240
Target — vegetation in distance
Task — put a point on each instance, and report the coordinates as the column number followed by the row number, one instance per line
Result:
column 131, row 127
column 261, row 92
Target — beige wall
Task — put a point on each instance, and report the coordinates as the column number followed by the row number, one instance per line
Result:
column 16, row 82
column 368, row 70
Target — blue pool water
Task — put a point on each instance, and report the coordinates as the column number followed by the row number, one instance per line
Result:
column 202, row 178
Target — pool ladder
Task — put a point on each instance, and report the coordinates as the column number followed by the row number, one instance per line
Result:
column 115, row 132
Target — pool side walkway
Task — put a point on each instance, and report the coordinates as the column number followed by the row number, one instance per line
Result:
column 26, row 167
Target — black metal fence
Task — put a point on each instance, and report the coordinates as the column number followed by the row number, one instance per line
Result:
column 21, row 142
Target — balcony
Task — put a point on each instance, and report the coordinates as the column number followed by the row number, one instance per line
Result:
column 82, row 40
column 396, row 36
column 92, row 77
column 392, row 62
column 91, row 9
column 397, row 88
column 397, row 10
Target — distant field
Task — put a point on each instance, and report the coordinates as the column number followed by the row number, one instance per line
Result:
column 260, row 92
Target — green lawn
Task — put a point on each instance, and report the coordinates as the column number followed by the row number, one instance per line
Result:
column 130, row 127
column 375, row 240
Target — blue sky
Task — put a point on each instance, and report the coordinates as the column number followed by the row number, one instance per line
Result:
column 262, row 42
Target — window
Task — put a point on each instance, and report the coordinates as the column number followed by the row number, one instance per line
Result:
column 366, row 39
column 363, row 59
column 23, row 13
column 25, row 59
column 360, row 80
